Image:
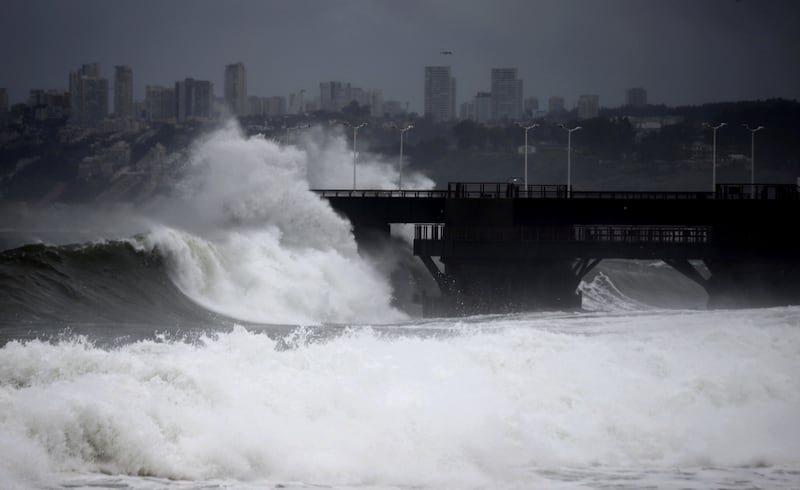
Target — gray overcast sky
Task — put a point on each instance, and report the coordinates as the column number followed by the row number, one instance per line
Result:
column 681, row 51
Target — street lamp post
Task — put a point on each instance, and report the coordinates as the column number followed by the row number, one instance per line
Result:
column 355, row 139
column 714, row 158
column 400, row 165
column 527, row 128
column 569, row 156
column 753, row 132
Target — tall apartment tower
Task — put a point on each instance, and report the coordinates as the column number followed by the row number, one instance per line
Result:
column 297, row 102
column 159, row 103
column 588, row 106
column 193, row 99
column 275, row 106
column 483, row 107
column 636, row 97
column 375, row 98
column 506, row 94
column 236, row 88
column 87, row 70
column 555, row 105
column 466, row 111
column 330, row 95
column 440, row 93
column 88, row 95
column 123, row 91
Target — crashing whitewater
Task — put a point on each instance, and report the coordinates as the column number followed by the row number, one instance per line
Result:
column 503, row 401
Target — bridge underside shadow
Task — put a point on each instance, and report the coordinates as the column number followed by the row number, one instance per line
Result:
column 512, row 286
column 470, row 288
column 481, row 275
column 495, row 248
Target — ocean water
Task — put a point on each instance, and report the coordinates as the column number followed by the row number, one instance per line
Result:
column 236, row 339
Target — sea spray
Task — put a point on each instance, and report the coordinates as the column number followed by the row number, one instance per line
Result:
column 247, row 238
column 330, row 164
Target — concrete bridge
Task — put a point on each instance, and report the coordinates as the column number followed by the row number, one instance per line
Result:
column 505, row 247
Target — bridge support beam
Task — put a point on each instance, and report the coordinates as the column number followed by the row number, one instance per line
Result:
column 688, row 270
column 753, row 283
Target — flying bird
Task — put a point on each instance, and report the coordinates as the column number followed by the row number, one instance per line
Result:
column 445, row 52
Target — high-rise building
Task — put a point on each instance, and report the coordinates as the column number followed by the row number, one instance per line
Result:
column 88, row 95
column 555, row 105
column 297, row 103
column 506, row 94
column 483, row 107
column 3, row 100
column 236, row 89
column 466, row 111
column 312, row 105
column 37, row 98
column 588, row 106
column 123, row 91
column 636, row 97
column 375, row 102
column 275, row 106
column 193, row 99
column 159, row 103
column 87, row 70
column 255, row 105
column 531, row 106
column 440, row 93
column 95, row 100
column 330, row 94
column 353, row 94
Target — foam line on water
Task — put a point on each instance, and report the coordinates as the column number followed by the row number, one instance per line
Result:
column 480, row 403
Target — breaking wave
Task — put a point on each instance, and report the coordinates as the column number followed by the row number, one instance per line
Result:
column 242, row 235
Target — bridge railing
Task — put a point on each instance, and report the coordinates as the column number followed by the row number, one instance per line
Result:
column 504, row 190
column 770, row 192
column 641, row 195
column 575, row 233
column 380, row 193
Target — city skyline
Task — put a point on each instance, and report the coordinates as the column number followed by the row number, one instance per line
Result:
column 683, row 52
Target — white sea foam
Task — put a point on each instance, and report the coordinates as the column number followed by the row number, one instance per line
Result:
column 247, row 238
column 467, row 406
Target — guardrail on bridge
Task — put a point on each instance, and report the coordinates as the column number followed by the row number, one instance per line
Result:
column 575, row 233
column 498, row 190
